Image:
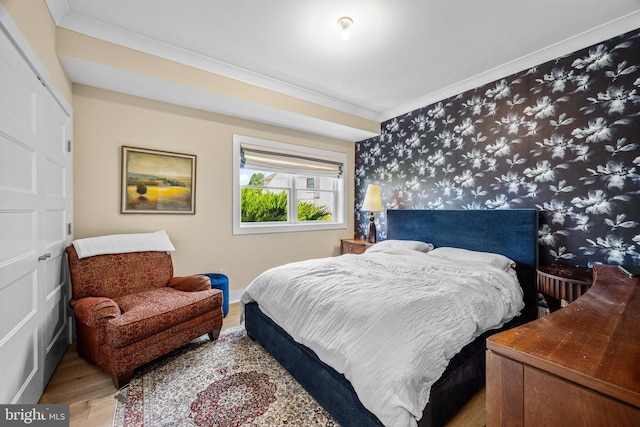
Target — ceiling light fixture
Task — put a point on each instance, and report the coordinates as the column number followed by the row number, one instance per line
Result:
column 345, row 23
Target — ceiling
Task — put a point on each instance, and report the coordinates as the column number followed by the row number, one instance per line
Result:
column 402, row 54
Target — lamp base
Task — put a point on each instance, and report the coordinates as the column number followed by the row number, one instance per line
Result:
column 371, row 235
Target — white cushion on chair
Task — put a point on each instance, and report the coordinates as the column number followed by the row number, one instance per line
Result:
column 123, row 243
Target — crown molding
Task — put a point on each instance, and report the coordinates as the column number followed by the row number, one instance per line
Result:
column 58, row 9
column 585, row 39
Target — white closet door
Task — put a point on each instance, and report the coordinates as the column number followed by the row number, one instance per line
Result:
column 35, row 207
column 54, row 187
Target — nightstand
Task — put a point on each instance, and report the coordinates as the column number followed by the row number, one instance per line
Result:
column 557, row 283
column 354, row 246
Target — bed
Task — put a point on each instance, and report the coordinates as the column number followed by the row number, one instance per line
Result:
column 511, row 233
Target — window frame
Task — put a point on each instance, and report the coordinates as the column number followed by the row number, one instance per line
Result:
column 340, row 211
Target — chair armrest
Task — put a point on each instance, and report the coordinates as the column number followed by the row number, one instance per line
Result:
column 193, row 283
column 92, row 310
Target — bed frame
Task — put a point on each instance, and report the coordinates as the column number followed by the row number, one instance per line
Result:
column 512, row 233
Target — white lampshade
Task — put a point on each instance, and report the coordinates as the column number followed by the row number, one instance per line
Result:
column 372, row 199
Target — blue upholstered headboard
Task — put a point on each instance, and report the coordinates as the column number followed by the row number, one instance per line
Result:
column 510, row 232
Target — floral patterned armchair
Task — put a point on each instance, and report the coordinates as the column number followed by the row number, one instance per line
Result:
column 129, row 309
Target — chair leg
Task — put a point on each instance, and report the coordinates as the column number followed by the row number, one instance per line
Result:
column 213, row 335
column 122, row 380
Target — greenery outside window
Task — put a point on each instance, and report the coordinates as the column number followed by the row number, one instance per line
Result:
column 282, row 187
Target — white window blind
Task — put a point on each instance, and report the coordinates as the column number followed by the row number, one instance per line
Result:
column 284, row 160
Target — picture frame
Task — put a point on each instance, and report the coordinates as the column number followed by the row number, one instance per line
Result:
column 157, row 182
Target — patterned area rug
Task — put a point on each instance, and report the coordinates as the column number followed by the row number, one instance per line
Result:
column 232, row 381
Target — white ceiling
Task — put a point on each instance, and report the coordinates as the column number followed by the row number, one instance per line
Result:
column 402, row 54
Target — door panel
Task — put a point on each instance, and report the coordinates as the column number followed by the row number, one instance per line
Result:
column 18, row 231
column 53, row 130
column 35, row 209
column 20, row 346
column 18, row 86
column 17, row 305
column 17, row 175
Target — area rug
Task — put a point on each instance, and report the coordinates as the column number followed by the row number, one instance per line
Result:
column 232, row 381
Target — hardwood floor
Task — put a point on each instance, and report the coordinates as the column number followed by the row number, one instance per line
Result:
column 91, row 394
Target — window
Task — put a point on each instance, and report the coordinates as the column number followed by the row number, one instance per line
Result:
column 311, row 183
column 280, row 187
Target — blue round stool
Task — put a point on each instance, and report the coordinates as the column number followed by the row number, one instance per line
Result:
column 220, row 281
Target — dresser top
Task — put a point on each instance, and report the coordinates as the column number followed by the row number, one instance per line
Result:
column 594, row 341
column 578, row 275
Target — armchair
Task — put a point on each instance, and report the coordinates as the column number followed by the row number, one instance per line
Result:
column 130, row 309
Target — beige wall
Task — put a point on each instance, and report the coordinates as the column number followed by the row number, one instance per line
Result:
column 35, row 23
column 104, row 121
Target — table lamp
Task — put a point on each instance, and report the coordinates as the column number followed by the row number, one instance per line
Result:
column 372, row 203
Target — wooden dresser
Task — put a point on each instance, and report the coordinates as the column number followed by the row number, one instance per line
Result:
column 578, row 366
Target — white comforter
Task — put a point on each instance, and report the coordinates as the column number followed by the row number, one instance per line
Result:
column 390, row 322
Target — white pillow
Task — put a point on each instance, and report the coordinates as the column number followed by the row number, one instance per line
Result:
column 465, row 255
column 410, row 245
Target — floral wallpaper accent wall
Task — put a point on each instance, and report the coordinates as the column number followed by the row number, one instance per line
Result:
column 562, row 137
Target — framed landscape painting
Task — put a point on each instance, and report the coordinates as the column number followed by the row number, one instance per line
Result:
column 157, row 182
